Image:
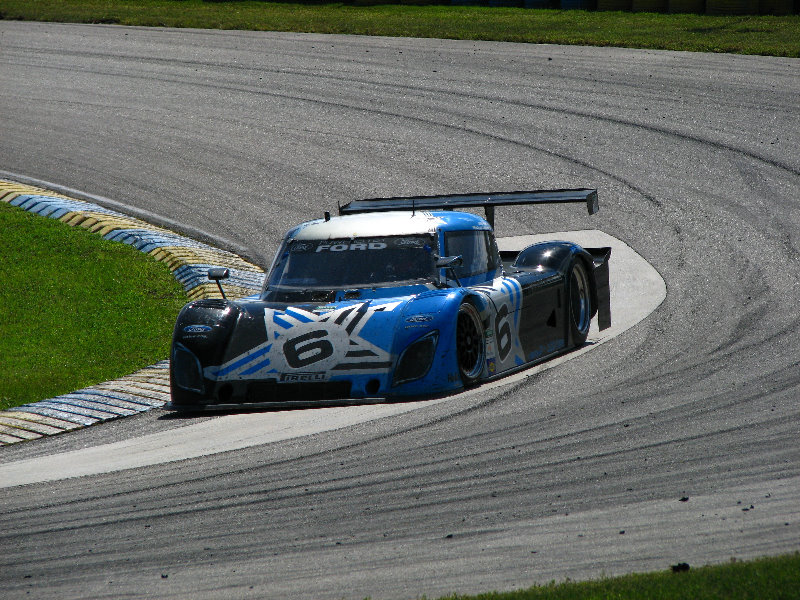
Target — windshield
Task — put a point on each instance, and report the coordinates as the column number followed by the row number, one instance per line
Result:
column 354, row 263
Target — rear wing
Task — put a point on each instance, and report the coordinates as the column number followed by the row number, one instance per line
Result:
column 487, row 201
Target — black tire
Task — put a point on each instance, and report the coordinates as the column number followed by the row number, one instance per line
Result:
column 579, row 305
column 470, row 343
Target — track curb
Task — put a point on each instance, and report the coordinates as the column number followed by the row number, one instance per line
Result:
column 146, row 388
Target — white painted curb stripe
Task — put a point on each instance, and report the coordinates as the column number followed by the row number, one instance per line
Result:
column 636, row 291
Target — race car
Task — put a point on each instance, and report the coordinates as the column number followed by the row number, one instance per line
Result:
column 393, row 298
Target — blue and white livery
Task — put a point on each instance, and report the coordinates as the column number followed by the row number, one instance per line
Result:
column 393, row 298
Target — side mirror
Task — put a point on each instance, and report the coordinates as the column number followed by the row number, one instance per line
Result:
column 217, row 274
column 449, row 263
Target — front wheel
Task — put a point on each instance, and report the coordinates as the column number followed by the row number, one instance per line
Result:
column 470, row 346
column 579, row 307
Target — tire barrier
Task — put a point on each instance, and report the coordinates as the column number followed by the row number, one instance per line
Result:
column 147, row 388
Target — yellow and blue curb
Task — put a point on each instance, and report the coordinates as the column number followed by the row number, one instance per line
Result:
column 148, row 388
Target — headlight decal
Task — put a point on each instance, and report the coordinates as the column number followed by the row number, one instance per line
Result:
column 186, row 368
column 416, row 360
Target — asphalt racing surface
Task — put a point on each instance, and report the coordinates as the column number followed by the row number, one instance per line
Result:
column 676, row 441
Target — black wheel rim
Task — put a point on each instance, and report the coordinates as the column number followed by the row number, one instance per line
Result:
column 580, row 303
column 469, row 342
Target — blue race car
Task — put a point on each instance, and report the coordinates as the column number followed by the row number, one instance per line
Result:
column 394, row 298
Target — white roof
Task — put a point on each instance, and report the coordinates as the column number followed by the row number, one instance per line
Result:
column 369, row 224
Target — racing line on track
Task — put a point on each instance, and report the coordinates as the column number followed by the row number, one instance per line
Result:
column 147, row 388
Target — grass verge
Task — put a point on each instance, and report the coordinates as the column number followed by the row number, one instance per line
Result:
column 767, row 35
column 76, row 309
column 775, row 578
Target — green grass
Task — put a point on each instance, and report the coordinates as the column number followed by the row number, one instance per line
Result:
column 768, row 35
column 763, row 579
column 76, row 309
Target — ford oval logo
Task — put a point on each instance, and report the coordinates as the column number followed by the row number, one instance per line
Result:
column 196, row 329
column 419, row 319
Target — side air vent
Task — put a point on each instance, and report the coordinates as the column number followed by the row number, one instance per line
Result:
column 210, row 303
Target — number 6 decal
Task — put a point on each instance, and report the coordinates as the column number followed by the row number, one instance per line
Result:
column 307, row 349
column 502, row 331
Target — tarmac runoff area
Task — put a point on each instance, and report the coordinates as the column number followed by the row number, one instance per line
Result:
column 636, row 291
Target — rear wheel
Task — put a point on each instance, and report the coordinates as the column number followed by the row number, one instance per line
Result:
column 470, row 346
column 579, row 307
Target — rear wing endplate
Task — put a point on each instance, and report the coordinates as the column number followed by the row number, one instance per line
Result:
column 602, row 284
column 486, row 201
